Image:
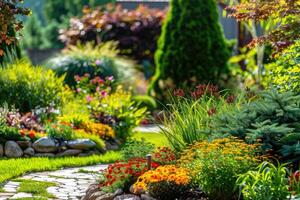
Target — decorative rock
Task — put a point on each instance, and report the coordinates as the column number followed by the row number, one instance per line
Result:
column 29, row 151
column 83, row 144
column 127, row 197
column 1, row 150
column 44, row 145
column 138, row 191
column 24, row 144
column 91, row 190
column 110, row 146
column 44, row 155
column 70, row 152
column 12, row 150
column 95, row 195
column 146, row 197
column 118, row 192
column 107, row 196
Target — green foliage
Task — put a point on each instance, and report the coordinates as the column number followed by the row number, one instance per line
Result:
column 59, row 131
column 16, row 167
column 101, row 60
column 27, row 87
column 136, row 149
column 50, row 36
column 267, row 182
column 145, row 101
column 187, row 118
column 284, row 74
column 120, row 105
column 192, row 48
column 33, row 33
column 273, row 119
column 165, row 190
column 9, row 133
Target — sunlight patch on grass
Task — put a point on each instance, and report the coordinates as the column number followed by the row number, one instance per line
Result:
column 157, row 139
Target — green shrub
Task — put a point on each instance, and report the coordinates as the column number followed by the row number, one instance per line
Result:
column 101, row 60
column 119, row 105
column 267, row 182
column 9, row 133
column 27, row 87
column 60, row 131
column 145, row 101
column 284, row 74
column 136, row 149
column 192, row 48
column 215, row 166
column 272, row 119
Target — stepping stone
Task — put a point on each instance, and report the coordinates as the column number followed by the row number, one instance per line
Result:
column 22, row 195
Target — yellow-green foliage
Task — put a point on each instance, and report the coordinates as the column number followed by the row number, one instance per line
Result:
column 27, row 87
column 284, row 74
column 75, row 110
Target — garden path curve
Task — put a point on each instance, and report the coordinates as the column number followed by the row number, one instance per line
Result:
column 71, row 183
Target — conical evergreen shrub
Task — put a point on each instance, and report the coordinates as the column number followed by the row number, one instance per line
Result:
column 191, row 49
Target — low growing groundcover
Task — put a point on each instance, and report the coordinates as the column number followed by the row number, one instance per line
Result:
column 13, row 168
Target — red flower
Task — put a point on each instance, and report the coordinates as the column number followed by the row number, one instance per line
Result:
column 31, row 134
column 179, row 93
column 22, row 133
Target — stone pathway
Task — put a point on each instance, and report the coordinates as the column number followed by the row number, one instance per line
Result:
column 71, row 183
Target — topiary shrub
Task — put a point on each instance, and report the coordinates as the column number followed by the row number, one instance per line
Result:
column 27, row 87
column 191, row 48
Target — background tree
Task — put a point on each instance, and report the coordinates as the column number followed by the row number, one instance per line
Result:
column 192, row 48
column 9, row 24
column 33, row 35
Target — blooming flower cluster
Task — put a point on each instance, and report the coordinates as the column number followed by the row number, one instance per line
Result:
column 167, row 173
column 31, row 134
column 125, row 171
column 164, row 155
column 229, row 147
column 102, row 130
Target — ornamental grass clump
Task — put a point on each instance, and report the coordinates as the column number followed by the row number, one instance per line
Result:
column 164, row 182
column 215, row 165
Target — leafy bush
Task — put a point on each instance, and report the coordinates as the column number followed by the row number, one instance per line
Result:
column 190, row 113
column 267, row 182
column 120, row 105
column 284, row 74
column 215, row 165
column 136, row 149
column 136, row 31
column 165, row 182
column 273, row 119
column 192, row 48
column 27, row 87
column 100, row 60
column 9, row 133
column 60, row 131
column 145, row 101
column 124, row 174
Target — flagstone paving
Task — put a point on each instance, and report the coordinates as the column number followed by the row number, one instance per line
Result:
column 71, row 183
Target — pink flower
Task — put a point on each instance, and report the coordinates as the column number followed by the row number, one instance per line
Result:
column 88, row 98
column 78, row 90
column 98, row 62
column 77, row 78
column 179, row 93
column 110, row 78
column 98, row 89
column 103, row 93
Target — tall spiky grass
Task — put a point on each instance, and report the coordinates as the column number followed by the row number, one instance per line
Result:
column 188, row 120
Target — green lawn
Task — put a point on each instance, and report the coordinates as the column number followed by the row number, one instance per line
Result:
column 156, row 138
column 13, row 168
